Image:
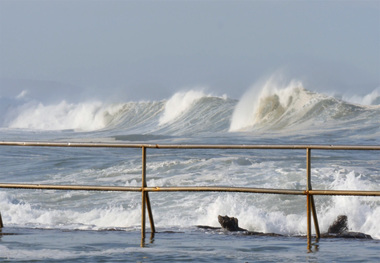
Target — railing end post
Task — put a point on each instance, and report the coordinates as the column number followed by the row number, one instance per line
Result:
column 1, row 221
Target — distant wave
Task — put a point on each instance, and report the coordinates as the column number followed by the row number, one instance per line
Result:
column 184, row 112
column 85, row 116
column 206, row 114
column 268, row 105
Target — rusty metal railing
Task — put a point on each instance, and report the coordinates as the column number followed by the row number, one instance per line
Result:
column 144, row 189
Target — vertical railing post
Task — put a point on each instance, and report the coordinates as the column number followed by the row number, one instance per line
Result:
column 150, row 214
column 315, row 218
column 310, row 205
column 1, row 222
column 143, row 202
column 308, row 184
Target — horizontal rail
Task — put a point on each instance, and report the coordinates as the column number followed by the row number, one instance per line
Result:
column 189, row 189
column 145, row 189
column 192, row 146
column 261, row 190
column 225, row 189
column 344, row 192
column 72, row 187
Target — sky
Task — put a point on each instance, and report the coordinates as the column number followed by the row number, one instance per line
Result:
column 151, row 49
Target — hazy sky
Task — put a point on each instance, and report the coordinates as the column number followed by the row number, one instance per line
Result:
column 150, row 49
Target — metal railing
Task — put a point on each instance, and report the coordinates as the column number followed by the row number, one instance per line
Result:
column 144, row 189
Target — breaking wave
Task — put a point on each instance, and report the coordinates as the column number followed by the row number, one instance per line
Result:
column 277, row 105
column 178, row 104
column 111, row 213
column 269, row 105
column 64, row 116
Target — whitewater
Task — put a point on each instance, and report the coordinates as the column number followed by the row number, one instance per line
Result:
column 270, row 112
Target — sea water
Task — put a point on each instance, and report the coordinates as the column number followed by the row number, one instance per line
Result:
column 52, row 225
column 191, row 245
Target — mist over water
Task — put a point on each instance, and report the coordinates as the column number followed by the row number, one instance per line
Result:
column 372, row 98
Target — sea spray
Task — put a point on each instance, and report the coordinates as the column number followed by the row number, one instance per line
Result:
column 361, row 211
column 267, row 102
column 275, row 105
column 372, row 98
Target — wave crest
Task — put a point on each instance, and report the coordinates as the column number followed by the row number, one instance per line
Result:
column 179, row 103
column 275, row 105
column 268, row 106
column 87, row 116
column 267, row 102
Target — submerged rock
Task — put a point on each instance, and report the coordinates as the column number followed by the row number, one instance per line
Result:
column 338, row 229
column 231, row 224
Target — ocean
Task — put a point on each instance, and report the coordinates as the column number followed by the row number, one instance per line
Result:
column 53, row 225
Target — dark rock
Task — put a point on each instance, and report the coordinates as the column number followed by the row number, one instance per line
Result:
column 208, row 227
column 339, row 225
column 229, row 223
column 338, row 229
column 232, row 224
column 354, row 235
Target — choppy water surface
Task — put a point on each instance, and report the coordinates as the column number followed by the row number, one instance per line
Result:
column 190, row 245
column 67, row 225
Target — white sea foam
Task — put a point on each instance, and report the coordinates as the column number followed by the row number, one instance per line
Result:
column 362, row 212
column 265, row 213
column 268, row 106
column 85, row 116
column 200, row 119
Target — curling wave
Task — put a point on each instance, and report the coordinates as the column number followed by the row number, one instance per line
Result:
column 271, row 105
column 275, row 105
